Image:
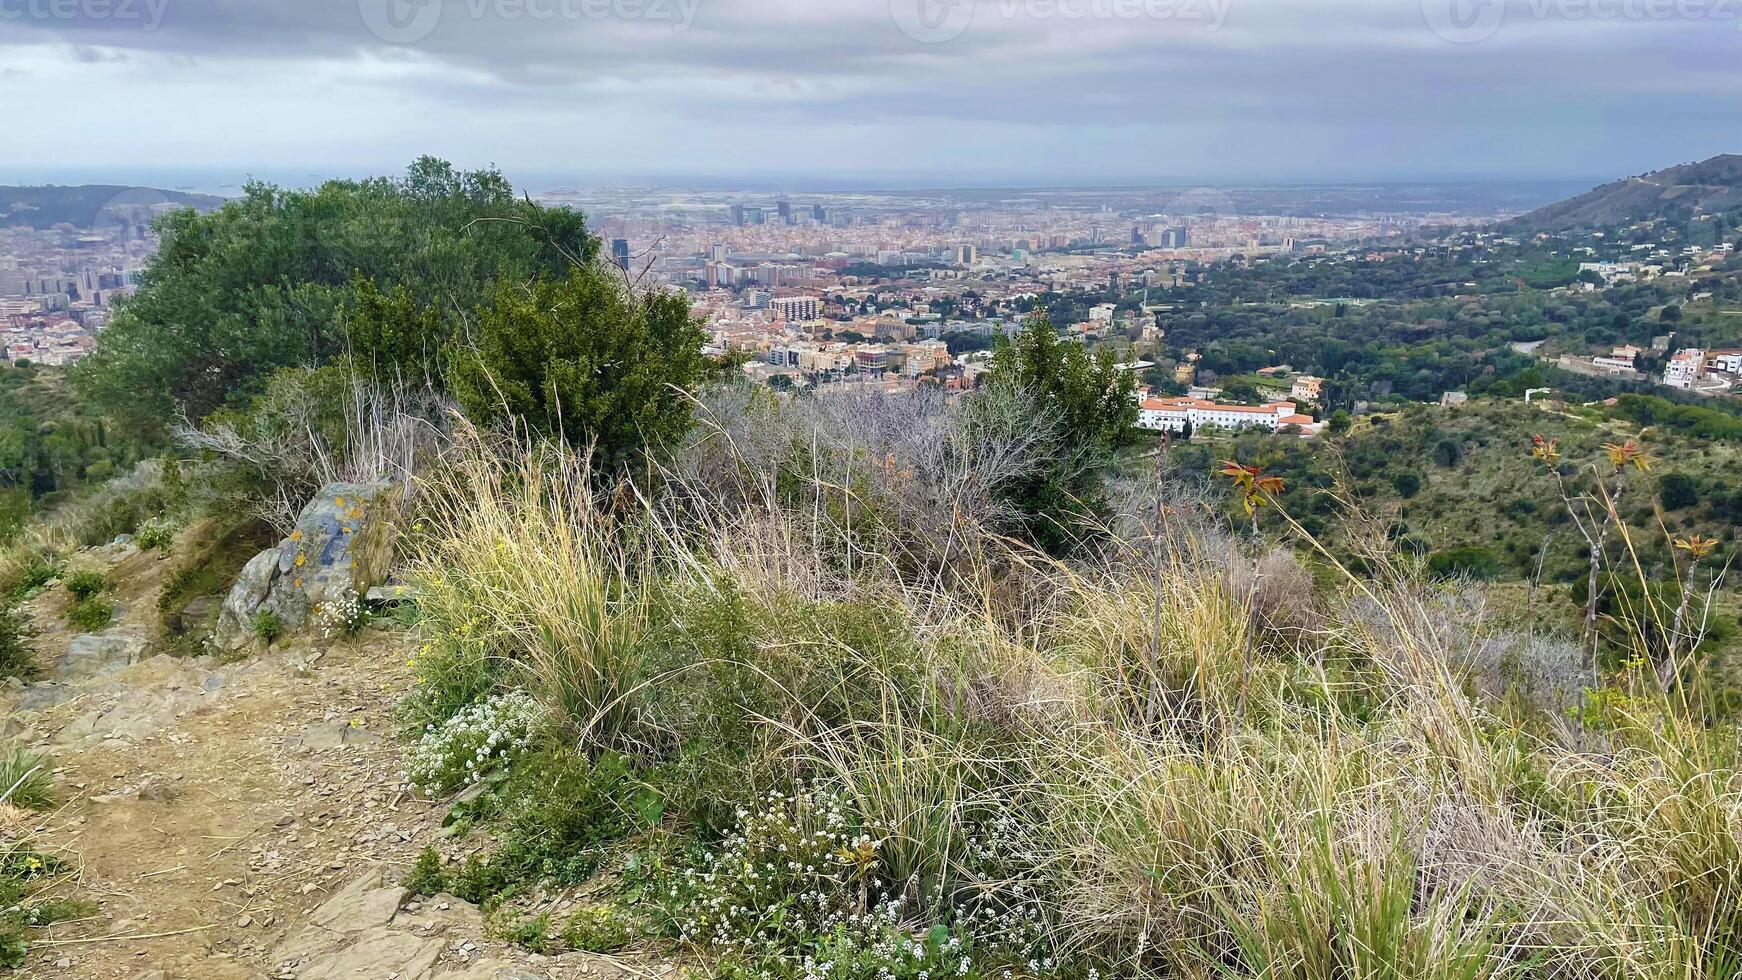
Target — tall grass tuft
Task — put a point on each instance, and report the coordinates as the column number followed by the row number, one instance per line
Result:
column 526, row 580
column 1183, row 756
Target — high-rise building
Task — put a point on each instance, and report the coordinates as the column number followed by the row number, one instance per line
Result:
column 717, row 252
column 620, row 253
column 1176, row 237
column 784, row 209
column 738, row 215
column 819, row 214
column 966, row 255
column 795, row 308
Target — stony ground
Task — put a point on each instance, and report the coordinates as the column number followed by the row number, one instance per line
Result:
column 244, row 819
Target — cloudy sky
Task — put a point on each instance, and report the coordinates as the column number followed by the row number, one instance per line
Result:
column 958, row 92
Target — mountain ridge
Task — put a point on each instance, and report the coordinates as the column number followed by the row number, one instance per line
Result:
column 1679, row 192
column 43, row 206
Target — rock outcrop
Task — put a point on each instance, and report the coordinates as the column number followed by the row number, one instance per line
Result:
column 338, row 550
column 91, row 655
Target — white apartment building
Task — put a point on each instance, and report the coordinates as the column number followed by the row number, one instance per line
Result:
column 1684, row 368
column 795, row 309
column 1173, row 414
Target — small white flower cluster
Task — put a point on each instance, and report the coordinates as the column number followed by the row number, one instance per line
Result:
column 343, row 616
column 1006, row 918
column 888, row 950
column 471, row 744
column 796, row 867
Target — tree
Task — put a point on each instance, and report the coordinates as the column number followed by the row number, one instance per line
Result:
column 1094, row 410
column 1677, row 491
column 265, row 282
column 1447, row 452
column 392, row 335
column 585, row 358
column 1340, row 422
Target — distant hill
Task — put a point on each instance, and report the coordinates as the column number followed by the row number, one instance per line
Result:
column 1675, row 193
column 90, row 205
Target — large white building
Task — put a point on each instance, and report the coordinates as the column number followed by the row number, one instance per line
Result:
column 1174, row 414
column 1684, row 368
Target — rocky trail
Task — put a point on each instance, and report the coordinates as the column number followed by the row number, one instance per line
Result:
column 241, row 819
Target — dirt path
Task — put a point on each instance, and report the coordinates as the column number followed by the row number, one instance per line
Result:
column 242, row 820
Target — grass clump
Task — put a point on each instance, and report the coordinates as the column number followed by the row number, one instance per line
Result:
column 266, row 626
column 90, row 615
column 87, row 583
column 791, row 752
column 29, row 877
column 25, row 780
column 16, row 657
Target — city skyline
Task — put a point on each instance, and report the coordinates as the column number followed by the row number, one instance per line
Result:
column 892, row 93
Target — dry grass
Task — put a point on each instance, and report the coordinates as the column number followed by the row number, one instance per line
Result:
column 1192, row 763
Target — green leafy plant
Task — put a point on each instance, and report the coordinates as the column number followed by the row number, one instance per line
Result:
column 426, row 877
column 86, row 583
column 90, row 615
column 587, row 359
column 266, row 626
column 155, row 534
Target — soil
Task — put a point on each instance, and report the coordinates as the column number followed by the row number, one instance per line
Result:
column 243, row 819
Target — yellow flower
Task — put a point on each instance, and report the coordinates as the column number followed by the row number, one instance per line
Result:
column 301, row 560
column 339, row 501
column 296, row 535
column 299, row 581
column 1697, row 546
column 1621, row 454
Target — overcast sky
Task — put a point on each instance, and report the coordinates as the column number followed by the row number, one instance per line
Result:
column 958, row 92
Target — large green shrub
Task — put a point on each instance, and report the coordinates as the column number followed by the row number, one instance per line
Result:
column 1090, row 401
column 586, row 358
column 264, row 282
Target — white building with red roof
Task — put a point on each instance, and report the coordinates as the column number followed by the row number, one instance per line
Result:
column 1174, row 414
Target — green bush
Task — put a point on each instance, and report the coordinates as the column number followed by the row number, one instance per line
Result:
column 90, row 615
column 1479, row 563
column 1677, row 491
column 30, row 575
column 87, row 583
column 426, row 877
column 155, row 534
column 585, row 358
column 265, row 282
